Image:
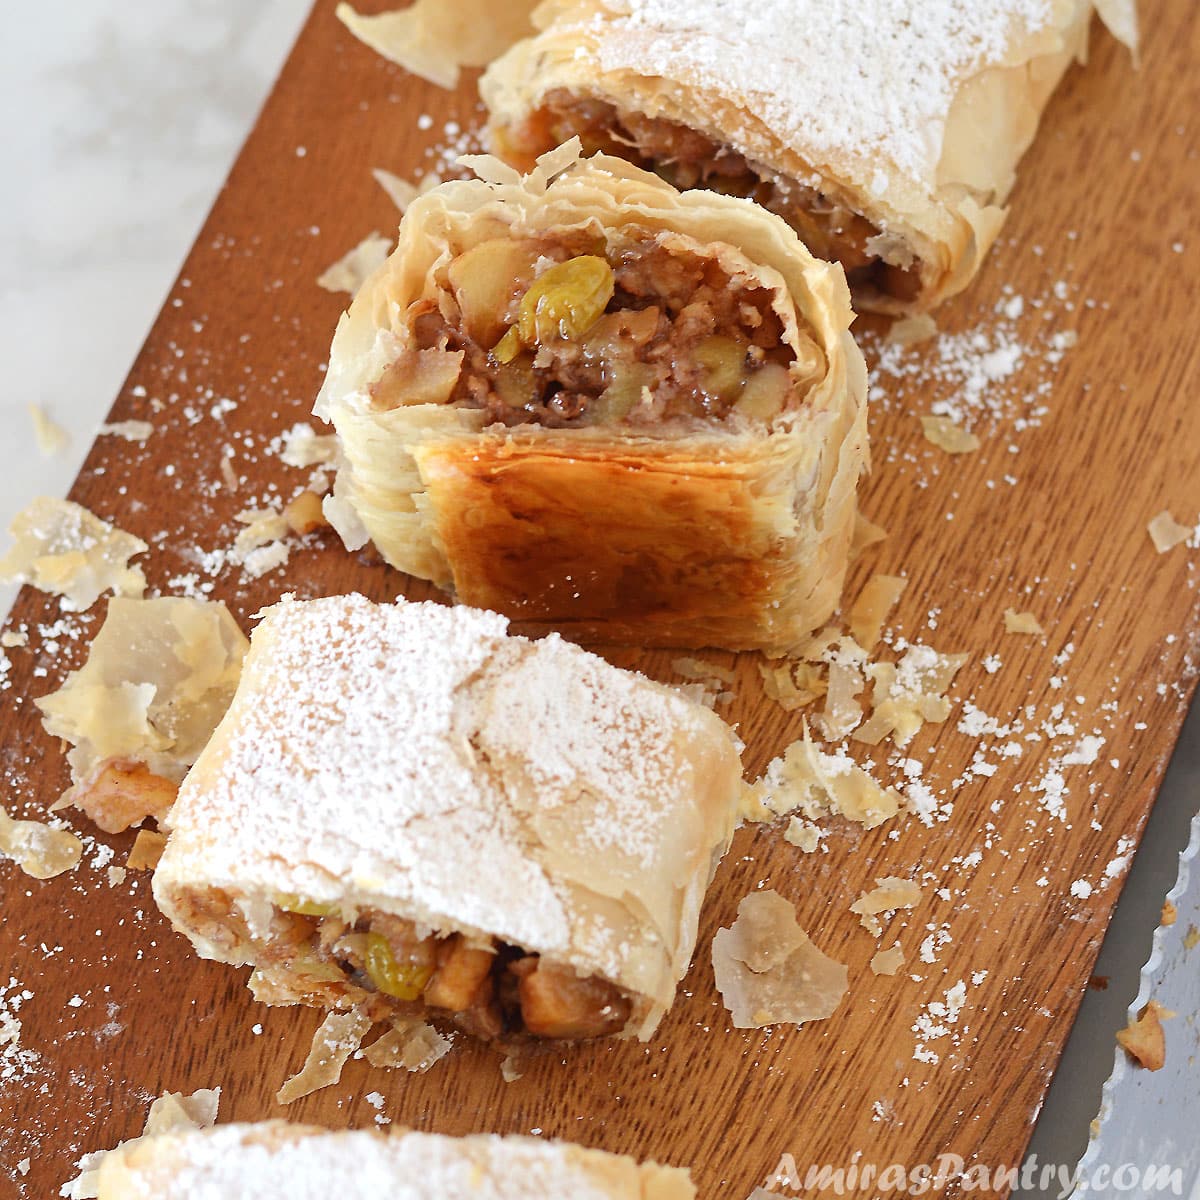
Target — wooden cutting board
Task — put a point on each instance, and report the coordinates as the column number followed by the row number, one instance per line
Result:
column 1082, row 445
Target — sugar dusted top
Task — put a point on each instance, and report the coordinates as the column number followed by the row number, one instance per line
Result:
column 833, row 78
column 413, row 756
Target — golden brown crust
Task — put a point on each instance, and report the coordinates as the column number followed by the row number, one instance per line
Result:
column 734, row 535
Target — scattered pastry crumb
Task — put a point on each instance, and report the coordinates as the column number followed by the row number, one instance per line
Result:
column 1022, row 622
column 11, row 639
column 304, row 447
column 908, row 694
column 434, row 39
column 41, row 851
column 866, row 534
column 1166, row 533
column 147, row 849
column 793, row 684
column 413, row 1045
column 874, row 605
column 337, row 1038
column 131, row 431
column 890, row 894
column 354, row 268
column 1191, row 939
column 510, row 1070
column 1143, row 1039
column 1169, row 913
column 889, row 961
column 769, row 972
column 51, row 437
column 65, row 550
column 819, row 785
column 946, row 435
column 158, row 678
column 911, row 331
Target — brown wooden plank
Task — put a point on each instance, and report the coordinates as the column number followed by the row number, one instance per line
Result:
column 1068, row 540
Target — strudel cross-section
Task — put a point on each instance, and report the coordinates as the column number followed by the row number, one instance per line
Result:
column 410, row 813
column 592, row 403
column 887, row 132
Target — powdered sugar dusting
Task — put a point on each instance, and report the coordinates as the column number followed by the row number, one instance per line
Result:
column 872, row 80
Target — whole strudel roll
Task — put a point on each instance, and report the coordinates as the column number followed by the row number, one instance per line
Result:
column 409, row 813
column 887, row 132
column 277, row 1161
column 592, row 403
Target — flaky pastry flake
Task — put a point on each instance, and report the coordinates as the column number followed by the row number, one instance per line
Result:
column 946, row 434
column 65, row 550
column 41, row 851
column 356, row 266
column 336, row 1039
column 769, row 972
column 435, row 40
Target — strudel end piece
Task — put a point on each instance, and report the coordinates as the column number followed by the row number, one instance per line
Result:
column 277, row 1161
column 407, row 812
column 592, row 403
column 887, row 132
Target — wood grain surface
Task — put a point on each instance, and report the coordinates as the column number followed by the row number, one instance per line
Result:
column 1081, row 447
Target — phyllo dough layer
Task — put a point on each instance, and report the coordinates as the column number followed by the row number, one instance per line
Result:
column 887, row 132
column 409, row 812
column 278, row 1161
column 589, row 402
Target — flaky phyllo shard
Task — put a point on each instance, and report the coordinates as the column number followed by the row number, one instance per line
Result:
column 587, row 401
column 410, row 813
column 277, row 1161
column 888, row 132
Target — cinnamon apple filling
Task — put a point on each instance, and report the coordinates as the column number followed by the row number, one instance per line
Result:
column 687, row 159
column 576, row 330
column 316, row 954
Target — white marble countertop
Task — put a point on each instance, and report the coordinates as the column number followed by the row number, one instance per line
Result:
column 121, row 121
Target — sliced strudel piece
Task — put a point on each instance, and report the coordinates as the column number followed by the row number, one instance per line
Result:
column 277, row 1161
column 407, row 812
column 589, row 402
column 887, row 132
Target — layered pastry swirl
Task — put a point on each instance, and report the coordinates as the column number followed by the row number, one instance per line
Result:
column 590, row 402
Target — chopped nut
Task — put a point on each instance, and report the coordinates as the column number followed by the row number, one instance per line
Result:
column 1143, row 1040
column 147, row 850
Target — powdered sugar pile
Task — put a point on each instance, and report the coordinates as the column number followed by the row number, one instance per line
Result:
column 872, row 80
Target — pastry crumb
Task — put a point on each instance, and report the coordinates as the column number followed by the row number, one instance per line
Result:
column 889, row 961
column 946, row 435
column 769, row 972
column 435, row 40
column 1166, row 533
column 1143, row 1039
column 355, row 267
column 147, row 849
column 336, row 1039
column 65, row 550
column 890, row 894
column 1022, row 622
column 1169, row 914
column 40, row 851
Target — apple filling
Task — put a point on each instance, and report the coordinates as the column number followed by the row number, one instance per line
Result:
column 688, row 159
column 318, row 954
column 578, row 330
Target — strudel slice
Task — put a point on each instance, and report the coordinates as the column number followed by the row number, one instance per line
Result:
column 592, row 403
column 277, row 1161
column 887, row 132
column 410, row 813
